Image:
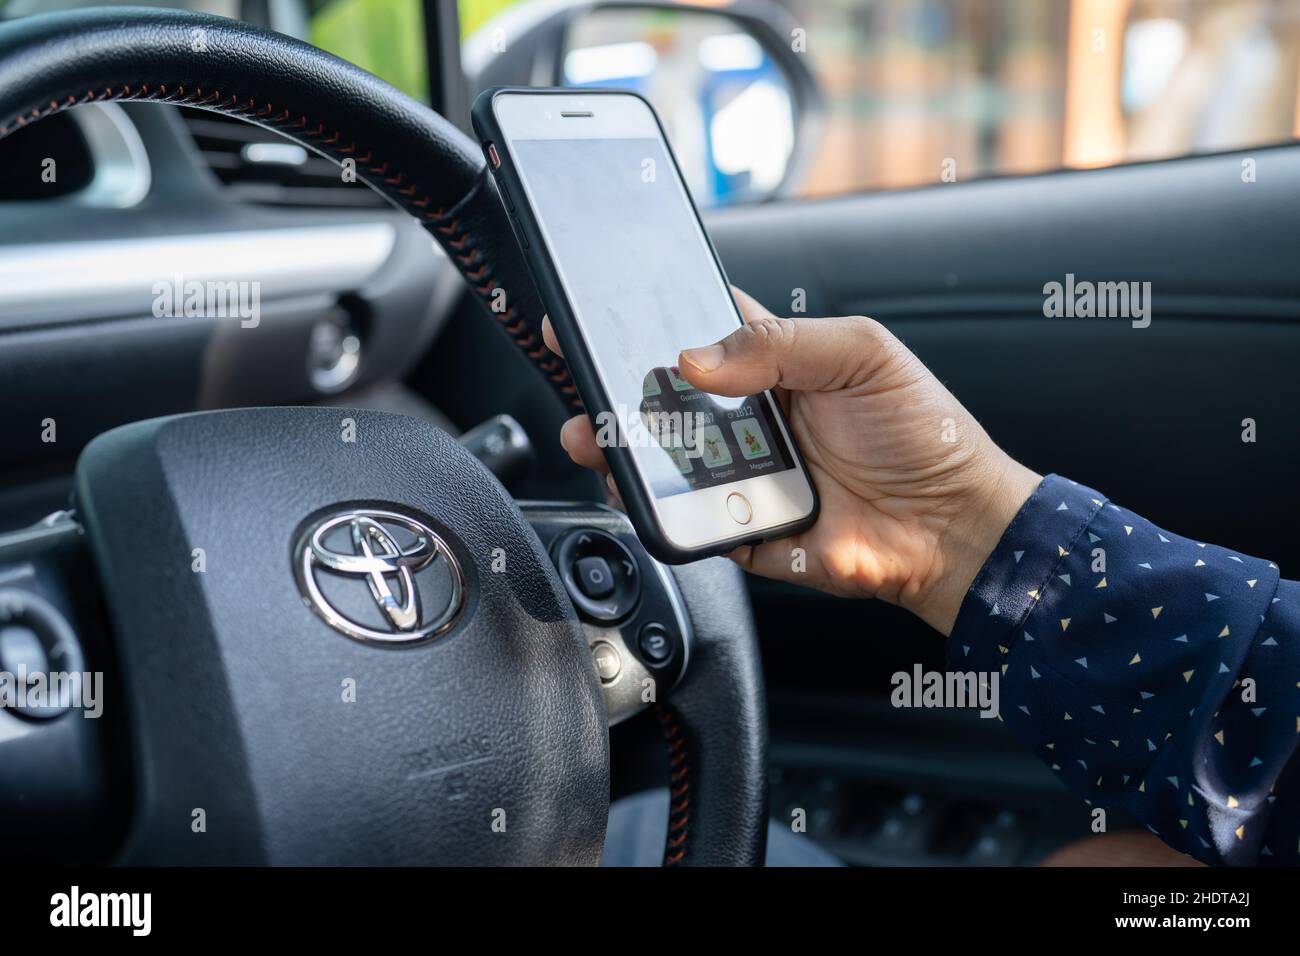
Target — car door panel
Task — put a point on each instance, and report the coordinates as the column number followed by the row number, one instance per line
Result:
column 1153, row 417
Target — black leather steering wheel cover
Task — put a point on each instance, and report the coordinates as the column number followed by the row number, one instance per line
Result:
column 715, row 722
column 716, row 718
column 402, row 149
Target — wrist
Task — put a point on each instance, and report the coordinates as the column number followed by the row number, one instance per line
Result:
column 981, row 516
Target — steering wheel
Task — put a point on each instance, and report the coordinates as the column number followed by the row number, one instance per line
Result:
column 332, row 635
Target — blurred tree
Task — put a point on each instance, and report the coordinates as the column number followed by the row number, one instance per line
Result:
column 474, row 13
column 385, row 37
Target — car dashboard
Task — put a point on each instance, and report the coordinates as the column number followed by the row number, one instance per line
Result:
column 113, row 251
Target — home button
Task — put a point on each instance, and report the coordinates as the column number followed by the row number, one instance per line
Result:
column 739, row 508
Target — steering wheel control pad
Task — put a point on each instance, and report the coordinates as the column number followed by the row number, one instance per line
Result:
column 56, row 787
column 637, row 595
column 481, row 741
column 599, row 572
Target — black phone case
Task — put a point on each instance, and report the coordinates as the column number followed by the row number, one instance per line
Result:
column 635, row 497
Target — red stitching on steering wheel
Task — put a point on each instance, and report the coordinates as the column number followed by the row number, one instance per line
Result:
column 679, row 787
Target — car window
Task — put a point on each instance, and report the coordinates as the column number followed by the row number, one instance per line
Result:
column 385, row 37
column 922, row 91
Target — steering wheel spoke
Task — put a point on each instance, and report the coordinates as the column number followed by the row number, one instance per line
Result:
column 60, row 799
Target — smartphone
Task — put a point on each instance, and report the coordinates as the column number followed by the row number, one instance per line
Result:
column 629, row 278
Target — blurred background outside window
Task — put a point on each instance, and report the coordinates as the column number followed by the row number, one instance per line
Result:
column 910, row 90
column 385, row 37
column 977, row 87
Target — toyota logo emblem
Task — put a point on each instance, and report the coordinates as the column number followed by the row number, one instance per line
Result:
column 379, row 576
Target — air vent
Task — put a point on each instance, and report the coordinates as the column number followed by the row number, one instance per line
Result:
column 260, row 166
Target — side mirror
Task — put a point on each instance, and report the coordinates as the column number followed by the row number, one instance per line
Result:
column 740, row 105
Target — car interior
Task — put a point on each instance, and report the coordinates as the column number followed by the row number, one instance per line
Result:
column 889, row 168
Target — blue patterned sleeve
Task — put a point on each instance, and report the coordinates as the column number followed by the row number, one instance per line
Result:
column 1153, row 673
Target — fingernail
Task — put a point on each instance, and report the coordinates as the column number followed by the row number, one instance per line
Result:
column 705, row 359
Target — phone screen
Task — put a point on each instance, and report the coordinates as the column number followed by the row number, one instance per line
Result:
column 643, row 283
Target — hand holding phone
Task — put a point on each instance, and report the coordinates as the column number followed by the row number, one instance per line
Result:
column 629, row 278
column 914, row 495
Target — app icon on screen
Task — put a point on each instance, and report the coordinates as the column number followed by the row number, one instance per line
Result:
column 683, row 463
column 713, row 447
column 679, row 384
column 749, row 436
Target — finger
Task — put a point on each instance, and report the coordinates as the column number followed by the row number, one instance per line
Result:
column 743, row 556
column 798, row 354
column 751, row 310
column 578, row 438
column 771, row 559
column 548, row 336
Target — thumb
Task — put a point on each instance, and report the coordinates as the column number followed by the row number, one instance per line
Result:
column 811, row 355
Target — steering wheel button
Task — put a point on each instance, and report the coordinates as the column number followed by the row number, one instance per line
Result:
column 21, row 650
column 36, row 640
column 599, row 573
column 594, row 577
column 656, row 643
column 608, row 662
column 738, row 506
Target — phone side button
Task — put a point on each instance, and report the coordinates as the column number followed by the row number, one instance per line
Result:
column 738, row 506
